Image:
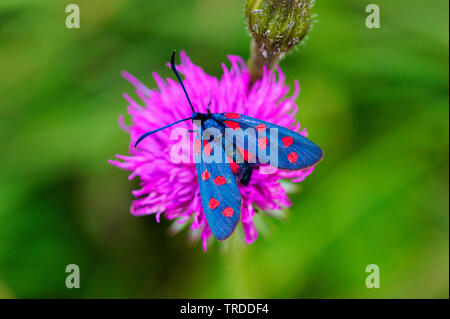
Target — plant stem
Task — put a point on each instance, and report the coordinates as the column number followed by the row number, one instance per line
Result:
column 259, row 58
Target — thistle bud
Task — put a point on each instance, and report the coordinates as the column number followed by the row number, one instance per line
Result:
column 276, row 27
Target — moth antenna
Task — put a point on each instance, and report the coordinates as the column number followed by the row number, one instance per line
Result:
column 172, row 64
column 157, row 130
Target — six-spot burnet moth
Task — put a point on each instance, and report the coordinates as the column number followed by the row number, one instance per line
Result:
column 224, row 160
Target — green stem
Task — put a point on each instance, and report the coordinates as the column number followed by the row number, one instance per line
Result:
column 258, row 60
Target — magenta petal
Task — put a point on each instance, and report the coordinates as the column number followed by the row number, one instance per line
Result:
column 250, row 232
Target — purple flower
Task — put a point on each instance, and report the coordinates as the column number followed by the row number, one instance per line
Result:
column 171, row 189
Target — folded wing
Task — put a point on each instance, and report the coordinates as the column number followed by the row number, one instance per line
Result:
column 269, row 143
column 220, row 196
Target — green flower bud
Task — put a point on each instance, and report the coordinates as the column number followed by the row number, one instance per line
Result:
column 276, row 26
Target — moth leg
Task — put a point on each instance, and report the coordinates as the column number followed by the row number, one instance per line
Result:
column 246, row 175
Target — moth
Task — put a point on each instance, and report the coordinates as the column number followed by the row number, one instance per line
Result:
column 226, row 153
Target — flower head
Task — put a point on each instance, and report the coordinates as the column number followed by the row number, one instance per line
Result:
column 278, row 25
column 171, row 189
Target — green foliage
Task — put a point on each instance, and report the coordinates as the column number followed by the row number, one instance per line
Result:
column 376, row 100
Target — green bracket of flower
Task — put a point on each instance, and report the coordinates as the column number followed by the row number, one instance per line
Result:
column 276, row 27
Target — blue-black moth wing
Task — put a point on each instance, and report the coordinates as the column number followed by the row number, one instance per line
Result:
column 220, row 196
column 239, row 166
column 294, row 151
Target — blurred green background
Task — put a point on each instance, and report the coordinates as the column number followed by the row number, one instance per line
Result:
column 376, row 100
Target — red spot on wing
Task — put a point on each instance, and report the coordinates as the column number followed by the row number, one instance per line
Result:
column 213, row 203
column 232, row 115
column 205, row 175
column 247, row 156
column 261, row 127
column 287, row 141
column 293, row 157
column 207, row 148
column 234, row 167
column 228, row 212
column 220, row 180
column 197, row 147
column 262, row 143
column 233, row 125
